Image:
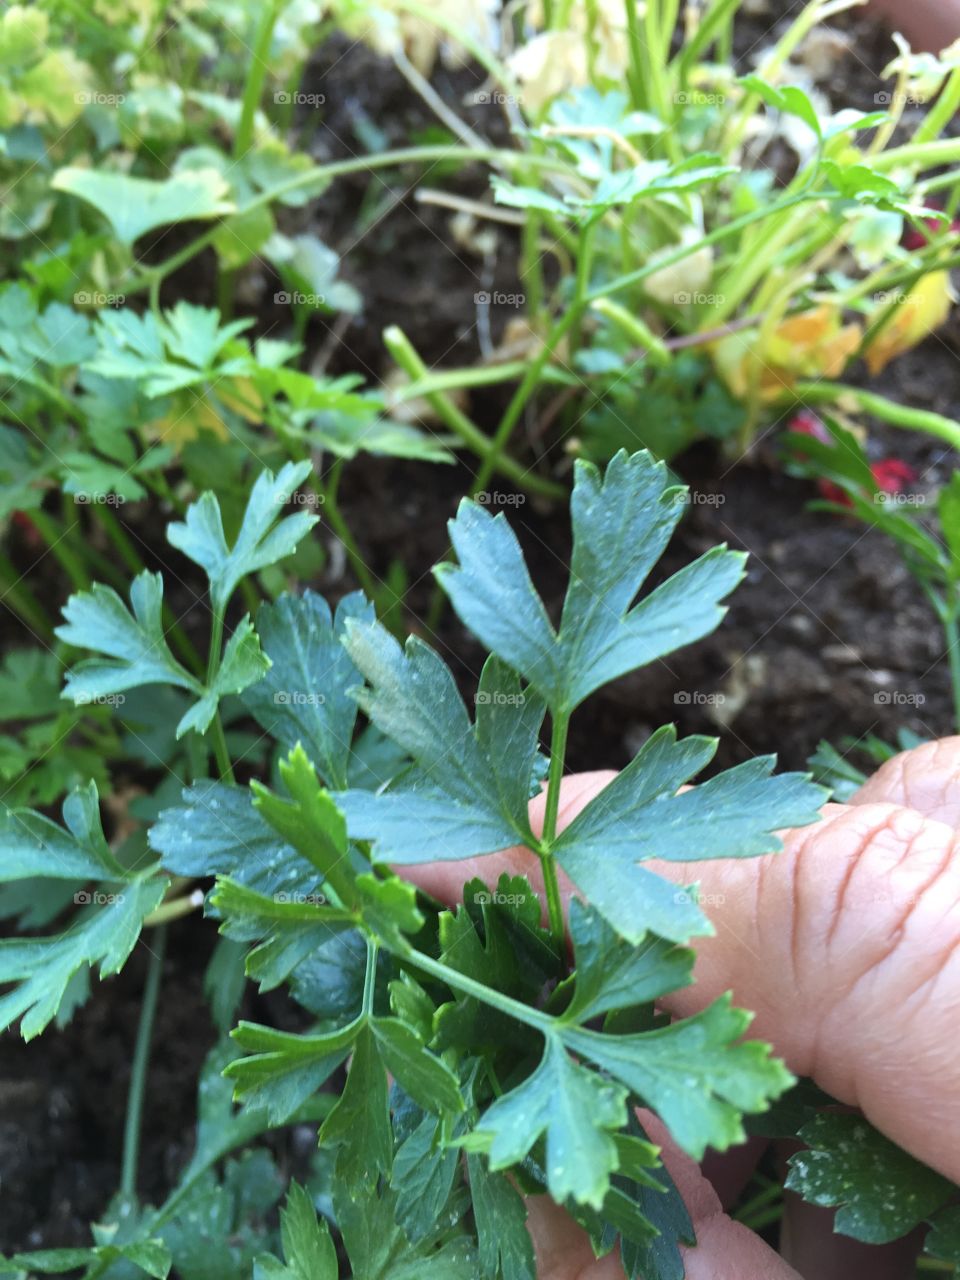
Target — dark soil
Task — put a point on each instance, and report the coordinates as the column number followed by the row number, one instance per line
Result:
column 827, row 637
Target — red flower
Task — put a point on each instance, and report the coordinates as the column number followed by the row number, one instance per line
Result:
column 893, row 475
column 914, row 238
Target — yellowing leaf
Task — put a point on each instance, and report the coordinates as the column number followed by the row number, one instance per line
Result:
column 240, row 395
column 923, row 309
column 815, row 343
column 191, row 414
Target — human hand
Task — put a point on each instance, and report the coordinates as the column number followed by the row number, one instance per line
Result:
column 847, row 947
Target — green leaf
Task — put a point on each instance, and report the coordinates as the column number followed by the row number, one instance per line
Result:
column 264, row 537
column 134, row 206
column 640, row 816
column 467, row 797
column 881, row 1192
column 614, row 974
column 134, row 643
column 948, row 509
column 421, row 1075
column 505, row 1247
column 32, row 845
column 308, row 1248
column 575, row 1108
column 695, row 1073
column 242, row 665
column 217, row 831
column 149, row 1256
column 103, row 935
column 283, row 1070
column 790, row 99
column 621, row 524
column 943, row 1241
column 390, row 908
column 360, row 1122
column 310, row 821
column 303, row 697
column 423, row 1176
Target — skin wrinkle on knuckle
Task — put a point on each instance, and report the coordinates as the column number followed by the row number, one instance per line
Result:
column 879, row 960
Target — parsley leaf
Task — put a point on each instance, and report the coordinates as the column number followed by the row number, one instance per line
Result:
column 882, row 1192
column 621, row 524
column 263, row 539
column 304, row 696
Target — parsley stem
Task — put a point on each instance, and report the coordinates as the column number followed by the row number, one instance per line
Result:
column 338, row 523
column 174, row 909
column 952, row 634
column 542, row 1022
column 17, row 596
column 477, row 441
column 256, row 74
column 898, row 415
column 551, row 883
column 370, row 978
column 220, row 750
column 138, row 1071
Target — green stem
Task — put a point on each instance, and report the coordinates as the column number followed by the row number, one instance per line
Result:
column 712, row 25
column 406, row 356
column 150, row 278
column 480, row 376
column 951, row 631
column 929, row 155
column 370, row 978
column 942, row 111
column 772, row 1191
column 174, row 909
column 220, row 750
column 487, row 995
column 558, row 748
column 16, row 595
column 337, row 522
column 138, row 1070
column 520, row 397
column 58, row 544
column 635, row 329
column 725, row 232
column 898, row 415
column 256, row 75
column 635, row 65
